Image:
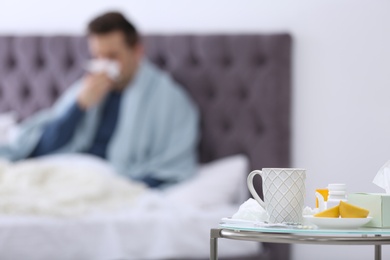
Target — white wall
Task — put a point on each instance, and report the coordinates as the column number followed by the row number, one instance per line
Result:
column 341, row 111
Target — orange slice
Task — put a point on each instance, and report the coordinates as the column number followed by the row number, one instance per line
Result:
column 350, row 211
column 329, row 213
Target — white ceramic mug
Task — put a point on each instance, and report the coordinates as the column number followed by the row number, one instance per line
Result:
column 284, row 193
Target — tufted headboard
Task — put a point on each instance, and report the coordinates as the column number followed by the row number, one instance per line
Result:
column 241, row 84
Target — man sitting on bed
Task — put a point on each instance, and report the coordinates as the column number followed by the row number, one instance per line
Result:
column 141, row 122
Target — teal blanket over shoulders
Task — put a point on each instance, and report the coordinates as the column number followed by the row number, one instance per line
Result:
column 156, row 132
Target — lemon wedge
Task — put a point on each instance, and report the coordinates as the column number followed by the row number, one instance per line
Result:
column 350, row 211
column 329, row 213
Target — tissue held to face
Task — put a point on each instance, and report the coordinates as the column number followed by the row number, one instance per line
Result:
column 111, row 68
column 111, row 53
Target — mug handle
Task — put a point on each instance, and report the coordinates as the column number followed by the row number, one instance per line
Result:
column 251, row 188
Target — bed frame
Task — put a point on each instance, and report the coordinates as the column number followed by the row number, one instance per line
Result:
column 241, row 83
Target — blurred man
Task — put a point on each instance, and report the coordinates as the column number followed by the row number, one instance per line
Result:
column 137, row 118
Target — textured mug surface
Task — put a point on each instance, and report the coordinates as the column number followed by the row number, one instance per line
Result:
column 284, row 193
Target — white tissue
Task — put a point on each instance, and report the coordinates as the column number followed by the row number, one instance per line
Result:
column 104, row 65
column 251, row 210
column 307, row 211
column 382, row 178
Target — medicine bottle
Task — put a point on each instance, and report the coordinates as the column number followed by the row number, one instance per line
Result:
column 337, row 193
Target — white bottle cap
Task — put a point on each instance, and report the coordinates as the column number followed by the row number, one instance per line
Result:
column 337, row 192
column 337, row 186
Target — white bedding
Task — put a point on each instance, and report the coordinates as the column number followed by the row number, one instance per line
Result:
column 116, row 220
column 159, row 234
column 67, row 185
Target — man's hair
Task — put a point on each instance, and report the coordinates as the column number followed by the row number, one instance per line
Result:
column 114, row 21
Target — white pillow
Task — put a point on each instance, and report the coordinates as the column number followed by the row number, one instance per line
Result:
column 220, row 182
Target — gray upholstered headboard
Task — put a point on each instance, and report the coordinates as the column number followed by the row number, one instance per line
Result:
column 240, row 82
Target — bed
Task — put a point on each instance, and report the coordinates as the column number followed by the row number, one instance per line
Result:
column 242, row 85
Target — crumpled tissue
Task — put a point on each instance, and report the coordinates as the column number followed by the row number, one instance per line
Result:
column 252, row 211
column 307, row 211
column 112, row 68
column 382, row 178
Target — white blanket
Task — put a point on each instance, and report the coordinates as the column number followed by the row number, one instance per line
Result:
column 66, row 185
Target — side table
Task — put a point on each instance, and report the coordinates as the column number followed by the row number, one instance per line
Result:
column 360, row 236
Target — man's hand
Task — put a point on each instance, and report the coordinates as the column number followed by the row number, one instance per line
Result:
column 95, row 88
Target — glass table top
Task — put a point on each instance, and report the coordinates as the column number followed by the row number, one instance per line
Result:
column 304, row 229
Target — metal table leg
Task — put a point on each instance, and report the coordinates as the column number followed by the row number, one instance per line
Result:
column 214, row 235
column 378, row 251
